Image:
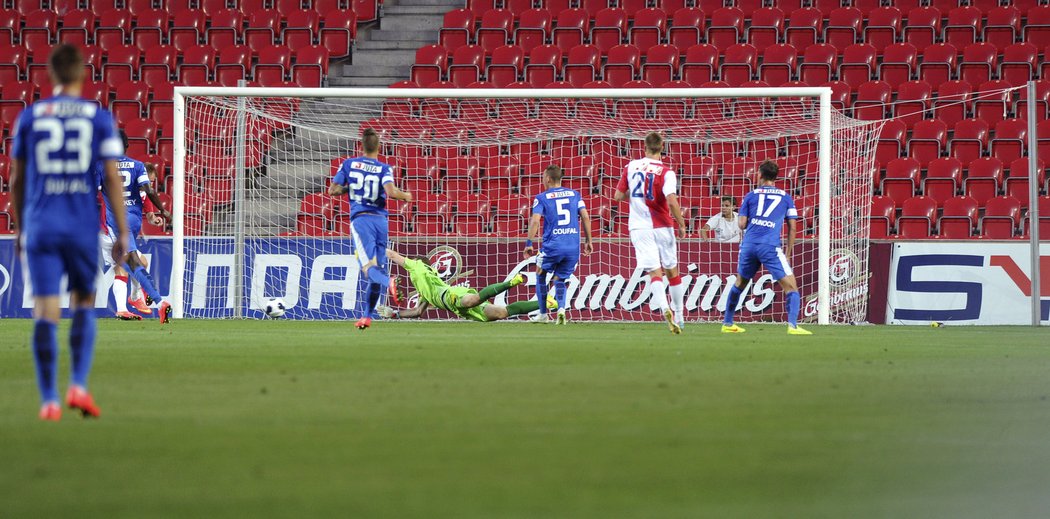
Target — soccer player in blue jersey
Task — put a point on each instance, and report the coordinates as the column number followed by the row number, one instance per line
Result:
column 761, row 216
column 562, row 211
column 367, row 182
column 54, row 190
column 135, row 183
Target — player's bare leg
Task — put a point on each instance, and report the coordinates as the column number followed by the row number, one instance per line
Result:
column 794, row 301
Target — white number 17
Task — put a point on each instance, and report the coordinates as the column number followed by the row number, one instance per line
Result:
column 774, row 201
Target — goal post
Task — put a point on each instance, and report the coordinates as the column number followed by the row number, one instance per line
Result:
column 834, row 168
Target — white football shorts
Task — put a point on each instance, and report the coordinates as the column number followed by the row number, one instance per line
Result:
column 655, row 248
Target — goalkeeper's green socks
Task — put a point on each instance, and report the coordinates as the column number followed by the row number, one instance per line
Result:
column 494, row 290
column 521, row 307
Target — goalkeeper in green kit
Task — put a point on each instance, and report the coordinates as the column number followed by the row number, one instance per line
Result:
column 465, row 302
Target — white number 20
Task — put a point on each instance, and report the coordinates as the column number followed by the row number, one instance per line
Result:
column 78, row 145
column 370, row 193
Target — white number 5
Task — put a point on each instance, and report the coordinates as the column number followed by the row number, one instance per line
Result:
column 564, row 216
column 79, row 145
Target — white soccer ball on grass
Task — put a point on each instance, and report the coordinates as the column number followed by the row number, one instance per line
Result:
column 275, row 308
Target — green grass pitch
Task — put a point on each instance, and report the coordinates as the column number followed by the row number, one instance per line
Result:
column 463, row 420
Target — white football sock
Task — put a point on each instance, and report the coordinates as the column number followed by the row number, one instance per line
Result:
column 659, row 292
column 120, row 293
column 678, row 300
column 136, row 290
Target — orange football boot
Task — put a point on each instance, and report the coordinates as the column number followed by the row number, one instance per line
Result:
column 78, row 398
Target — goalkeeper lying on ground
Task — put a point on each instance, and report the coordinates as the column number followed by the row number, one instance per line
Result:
column 465, row 302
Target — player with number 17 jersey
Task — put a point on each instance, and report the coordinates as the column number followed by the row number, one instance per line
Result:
column 766, row 209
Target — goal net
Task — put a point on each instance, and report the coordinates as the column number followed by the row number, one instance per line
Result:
column 254, row 222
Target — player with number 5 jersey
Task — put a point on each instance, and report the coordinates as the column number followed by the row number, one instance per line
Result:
column 367, row 182
column 650, row 186
column 562, row 212
column 761, row 217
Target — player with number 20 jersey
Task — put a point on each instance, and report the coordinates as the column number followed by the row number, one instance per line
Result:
column 368, row 183
column 650, row 188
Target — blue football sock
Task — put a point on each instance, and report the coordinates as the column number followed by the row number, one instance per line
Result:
column 146, row 283
column 541, row 292
column 731, row 302
column 82, row 344
column 45, row 351
column 559, row 293
column 372, row 295
column 794, row 301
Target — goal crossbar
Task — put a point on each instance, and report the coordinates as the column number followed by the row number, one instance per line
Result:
column 822, row 94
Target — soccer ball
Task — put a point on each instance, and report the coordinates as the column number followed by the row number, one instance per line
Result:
column 274, row 308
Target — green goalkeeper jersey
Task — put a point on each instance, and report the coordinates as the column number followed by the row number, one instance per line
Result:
column 435, row 291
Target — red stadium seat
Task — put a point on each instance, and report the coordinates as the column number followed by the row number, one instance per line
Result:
column 1044, row 221
column 964, row 24
column 983, row 178
column 740, row 63
column 778, row 64
column 898, row 64
column 338, row 32
column 457, row 29
column 726, row 27
column 534, row 27
column 311, row 66
column 891, row 141
column 1019, row 63
column 938, row 63
column 466, row 65
column 884, row 26
column 803, row 26
column 1009, row 139
column 582, row 64
column 431, row 64
column 902, row 179
column 699, row 65
column 969, row 140
column 922, row 27
column 993, row 104
column 609, row 29
column 767, row 24
column 570, row 28
column 978, row 61
column 1017, row 181
column 917, row 216
column 496, row 28
column 1002, row 26
column 959, row 219
column 686, row 26
column 661, row 64
column 593, row 7
column 623, row 64
column 913, row 101
column 1037, row 26
column 1001, row 217
column 882, row 219
column 953, row 102
column 843, row 28
column 873, row 98
column 858, row 64
column 928, row 140
column 544, row 65
column 649, row 28
column 506, row 66
column 818, row 62
column 943, row 179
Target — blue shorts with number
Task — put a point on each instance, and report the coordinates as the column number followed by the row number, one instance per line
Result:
column 49, row 256
column 751, row 258
column 369, row 232
column 561, row 264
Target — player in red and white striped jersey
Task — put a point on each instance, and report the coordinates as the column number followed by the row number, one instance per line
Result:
column 650, row 188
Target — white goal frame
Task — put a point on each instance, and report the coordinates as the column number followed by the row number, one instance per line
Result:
column 823, row 94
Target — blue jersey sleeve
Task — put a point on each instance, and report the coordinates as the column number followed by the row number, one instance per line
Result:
column 745, row 206
column 340, row 176
column 110, row 146
column 141, row 177
column 790, row 212
column 537, row 205
column 387, row 176
column 21, row 135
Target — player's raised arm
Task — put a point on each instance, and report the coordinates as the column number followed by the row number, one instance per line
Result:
column 151, row 193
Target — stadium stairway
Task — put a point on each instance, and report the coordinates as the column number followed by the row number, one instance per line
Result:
column 384, row 54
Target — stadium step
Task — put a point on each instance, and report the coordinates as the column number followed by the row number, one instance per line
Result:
column 385, row 58
column 451, row 4
column 424, row 37
column 428, row 9
column 390, row 45
column 376, row 70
